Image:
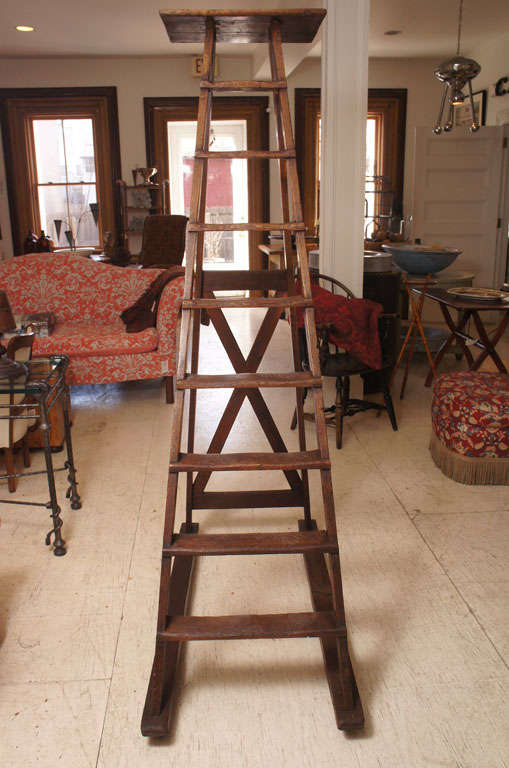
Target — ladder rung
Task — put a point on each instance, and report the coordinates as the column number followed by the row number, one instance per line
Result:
column 247, row 499
column 249, row 380
column 245, row 280
column 292, row 226
column 231, row 462
column 247, row 154
column 244, row 85
column 257, row 626
column 251, row 543
column 229, row 302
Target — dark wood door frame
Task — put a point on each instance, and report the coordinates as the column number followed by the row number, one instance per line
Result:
column 253, row 109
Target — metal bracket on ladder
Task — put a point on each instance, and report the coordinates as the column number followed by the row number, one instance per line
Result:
column 327, row 619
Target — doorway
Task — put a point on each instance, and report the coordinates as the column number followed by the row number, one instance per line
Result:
column 227, row 187
column 237, row 190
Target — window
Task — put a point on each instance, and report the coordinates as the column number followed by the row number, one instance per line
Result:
column 62, row 156
column 385, row 148
column 66, row 187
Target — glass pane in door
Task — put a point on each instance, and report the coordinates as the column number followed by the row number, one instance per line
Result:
column 227, row 190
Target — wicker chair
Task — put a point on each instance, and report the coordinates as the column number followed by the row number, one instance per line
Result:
column 341, row 365
column 164, row 241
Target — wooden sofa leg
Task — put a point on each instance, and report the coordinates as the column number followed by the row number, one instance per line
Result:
column 169, row 389
column 11, row 469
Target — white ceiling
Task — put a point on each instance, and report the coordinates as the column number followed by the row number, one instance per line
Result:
column 133, row 27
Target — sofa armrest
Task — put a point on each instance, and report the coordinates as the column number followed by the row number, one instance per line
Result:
column 167, row 316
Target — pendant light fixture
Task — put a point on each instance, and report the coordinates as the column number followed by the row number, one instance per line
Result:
column 456, row 73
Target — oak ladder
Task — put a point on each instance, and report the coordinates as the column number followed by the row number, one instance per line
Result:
column 327, row 619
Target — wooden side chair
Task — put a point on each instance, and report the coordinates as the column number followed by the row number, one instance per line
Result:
column 13, row 431
column 341, row 365
column 164, row 241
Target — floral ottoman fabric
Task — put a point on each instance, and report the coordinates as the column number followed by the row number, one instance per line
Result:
column 470, row 420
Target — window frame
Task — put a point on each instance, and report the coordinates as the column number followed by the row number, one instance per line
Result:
column 18, row 108
column 387, row 105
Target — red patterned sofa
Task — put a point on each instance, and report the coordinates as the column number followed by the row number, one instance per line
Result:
column 87, row 299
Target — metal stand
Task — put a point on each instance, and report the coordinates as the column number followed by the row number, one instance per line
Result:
column 46, row 393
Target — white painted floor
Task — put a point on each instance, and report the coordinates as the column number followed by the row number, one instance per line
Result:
column 426, row 581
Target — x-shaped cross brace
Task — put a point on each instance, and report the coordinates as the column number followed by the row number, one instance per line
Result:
column 246, row 365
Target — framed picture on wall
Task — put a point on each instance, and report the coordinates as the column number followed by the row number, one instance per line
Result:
column 463, row 114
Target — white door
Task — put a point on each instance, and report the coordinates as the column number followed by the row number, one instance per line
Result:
column 458, row 197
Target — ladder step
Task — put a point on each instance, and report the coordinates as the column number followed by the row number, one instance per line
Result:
column 247, row 154
column 249, row 380
column 244, row 85
column 229, row 302
column 245, row 280
column 250, row 543
column 265, row 226
column 247, row 499
column 231, row 462
column 256, row 626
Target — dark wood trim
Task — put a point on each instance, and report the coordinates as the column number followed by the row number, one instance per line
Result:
column 307, row 110
column 9, row 98
column 391, row 102
column 251, row 108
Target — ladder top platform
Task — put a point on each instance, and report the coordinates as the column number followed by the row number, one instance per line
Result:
column 243, row 26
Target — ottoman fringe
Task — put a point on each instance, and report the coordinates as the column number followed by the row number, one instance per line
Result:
column 469, row 469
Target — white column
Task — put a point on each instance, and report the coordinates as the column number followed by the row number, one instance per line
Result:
column 344, row 108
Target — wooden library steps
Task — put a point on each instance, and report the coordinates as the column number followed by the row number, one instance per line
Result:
column 327, row 619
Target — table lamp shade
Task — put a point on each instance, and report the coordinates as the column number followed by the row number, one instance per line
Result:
column 7, row 322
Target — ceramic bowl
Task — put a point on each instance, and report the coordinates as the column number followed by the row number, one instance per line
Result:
column 421, row 259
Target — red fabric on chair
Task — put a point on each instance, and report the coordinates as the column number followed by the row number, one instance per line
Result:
column 354, row 323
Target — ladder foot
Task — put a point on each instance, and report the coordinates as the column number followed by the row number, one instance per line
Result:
column 339, row 671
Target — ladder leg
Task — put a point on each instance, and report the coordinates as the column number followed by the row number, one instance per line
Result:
column 174, row 583
column 290, row 268
column 349, row 700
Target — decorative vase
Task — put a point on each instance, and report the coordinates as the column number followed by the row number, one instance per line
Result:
column 147, row 174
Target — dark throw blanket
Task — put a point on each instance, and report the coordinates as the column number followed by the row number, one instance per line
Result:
column 143, row 313
column 353, row 323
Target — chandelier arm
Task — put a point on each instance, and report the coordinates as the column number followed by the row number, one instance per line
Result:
column 450, row 119
column 475, row 123
column 438, row 124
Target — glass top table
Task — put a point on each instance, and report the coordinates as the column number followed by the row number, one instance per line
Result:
column 42, row 384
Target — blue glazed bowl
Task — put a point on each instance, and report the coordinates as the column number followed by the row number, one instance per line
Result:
column 421, row 259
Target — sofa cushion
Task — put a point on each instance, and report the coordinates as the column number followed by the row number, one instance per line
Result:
column 87, row 339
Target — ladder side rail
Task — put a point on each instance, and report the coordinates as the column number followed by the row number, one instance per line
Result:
column 198, row 277
column 290, row 267
column 278, row 69
column 161, row 667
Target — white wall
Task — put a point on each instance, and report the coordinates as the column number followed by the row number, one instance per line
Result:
column 493, row 56
column 134, row 78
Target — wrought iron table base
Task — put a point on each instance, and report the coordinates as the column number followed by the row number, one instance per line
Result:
column 42, row 391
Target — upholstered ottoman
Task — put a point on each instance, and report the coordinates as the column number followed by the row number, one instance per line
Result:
column 470, row 419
